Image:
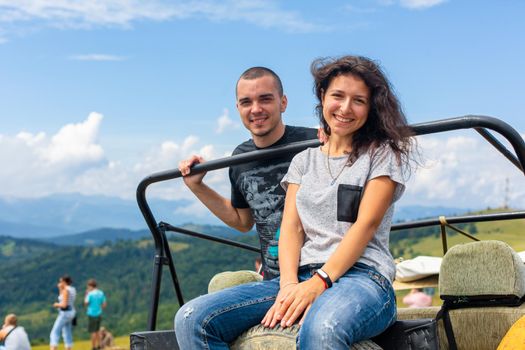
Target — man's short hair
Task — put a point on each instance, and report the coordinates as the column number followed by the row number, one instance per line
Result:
column 92, row 282
column 11, row 319
column 257, row 72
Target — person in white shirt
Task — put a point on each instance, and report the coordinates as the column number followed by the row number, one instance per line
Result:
column 12, row 336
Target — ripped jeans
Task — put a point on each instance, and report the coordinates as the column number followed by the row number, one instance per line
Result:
column 360, row 305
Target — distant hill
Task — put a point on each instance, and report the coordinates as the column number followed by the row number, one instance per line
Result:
column 66, row 214
column 72, row 213
column 97, row 237
column 427, row 241
column 16, row 250
column 104, row 235
column 414, row 212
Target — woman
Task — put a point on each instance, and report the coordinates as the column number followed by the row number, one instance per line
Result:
column 336, row 269
column 66, row 314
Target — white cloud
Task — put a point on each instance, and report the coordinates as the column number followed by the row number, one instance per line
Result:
column 420, row 4
column 122, row 13
column 224, row 122
column 75, row 143
column 37, row 164
column 72, row 160
column 463, row 172
column 97, row 57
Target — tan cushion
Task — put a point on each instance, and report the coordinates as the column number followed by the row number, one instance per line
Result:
column 261, row 338
column 474, row 328
column 228, row 279
column 482, row 268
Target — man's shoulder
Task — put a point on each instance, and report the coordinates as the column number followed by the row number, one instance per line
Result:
column 244, row 147
column 300, row 133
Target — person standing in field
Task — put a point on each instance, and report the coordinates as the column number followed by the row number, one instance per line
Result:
column 95, row 301
column 66, row 313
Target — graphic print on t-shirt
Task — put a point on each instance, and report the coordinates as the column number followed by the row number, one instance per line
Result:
column 265, row 196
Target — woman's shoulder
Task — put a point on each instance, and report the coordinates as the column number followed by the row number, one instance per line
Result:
column 309, row 153
column 381, row 152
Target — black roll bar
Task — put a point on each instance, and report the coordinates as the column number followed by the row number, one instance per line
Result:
column 158, row 231
column 459, row 220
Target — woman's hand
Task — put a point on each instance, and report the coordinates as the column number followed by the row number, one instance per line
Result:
column 299, row 301
column 270, row 319
column 292, row 302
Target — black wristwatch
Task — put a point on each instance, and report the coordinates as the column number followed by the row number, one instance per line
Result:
column 324, row 276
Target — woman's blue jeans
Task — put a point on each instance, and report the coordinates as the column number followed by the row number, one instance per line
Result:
column 360, row 305
column 62, row 325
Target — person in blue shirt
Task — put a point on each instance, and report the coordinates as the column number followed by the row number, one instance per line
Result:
column 95, row 301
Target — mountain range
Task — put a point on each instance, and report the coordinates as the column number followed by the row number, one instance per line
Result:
column 66, row 214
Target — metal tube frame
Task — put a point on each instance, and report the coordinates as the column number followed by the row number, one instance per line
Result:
column 158, row 231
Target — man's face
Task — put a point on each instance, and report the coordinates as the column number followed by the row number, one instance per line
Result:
column 260, row 105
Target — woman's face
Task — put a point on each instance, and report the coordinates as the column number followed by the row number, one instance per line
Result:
column 346, row 104
column 61, row 283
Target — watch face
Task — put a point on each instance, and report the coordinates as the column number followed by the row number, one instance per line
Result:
column 322, row 273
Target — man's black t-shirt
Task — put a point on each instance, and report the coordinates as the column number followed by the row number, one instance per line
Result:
column 256, row 185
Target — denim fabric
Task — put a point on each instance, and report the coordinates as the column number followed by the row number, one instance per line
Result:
column 360, row 304
column 62, row 325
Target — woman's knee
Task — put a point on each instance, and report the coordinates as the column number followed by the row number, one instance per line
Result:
column 327, row 332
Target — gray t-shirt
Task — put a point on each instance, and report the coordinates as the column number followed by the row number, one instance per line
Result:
column 327, row 211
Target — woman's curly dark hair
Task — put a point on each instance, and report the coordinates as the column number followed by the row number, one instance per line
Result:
column 386, row 123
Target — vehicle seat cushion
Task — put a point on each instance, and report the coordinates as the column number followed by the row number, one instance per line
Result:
column 228, row 279
column 262, row 338
column 482, row 268
column 474, row 328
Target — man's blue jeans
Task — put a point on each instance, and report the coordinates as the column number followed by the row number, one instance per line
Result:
column 360, row 305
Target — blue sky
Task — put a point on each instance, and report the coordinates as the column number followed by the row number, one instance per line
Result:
column 98, row 94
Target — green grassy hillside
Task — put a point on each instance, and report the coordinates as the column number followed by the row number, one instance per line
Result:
column 427, row 241
column 123, row 270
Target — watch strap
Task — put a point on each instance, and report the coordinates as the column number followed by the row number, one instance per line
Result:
column 325, row 277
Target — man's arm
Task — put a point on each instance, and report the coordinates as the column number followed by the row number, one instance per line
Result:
column 239, row 218
column 3, row 332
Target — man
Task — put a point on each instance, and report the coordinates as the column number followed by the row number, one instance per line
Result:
column 95, row 301
column 256, row 194
column 12, row 336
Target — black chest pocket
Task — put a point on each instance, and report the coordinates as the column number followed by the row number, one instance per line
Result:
column 348, row 199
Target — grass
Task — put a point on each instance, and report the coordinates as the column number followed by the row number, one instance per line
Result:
column 122, row 342
column 508, row 231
